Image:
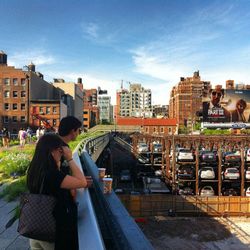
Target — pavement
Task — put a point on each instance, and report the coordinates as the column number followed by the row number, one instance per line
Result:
column 10, row 238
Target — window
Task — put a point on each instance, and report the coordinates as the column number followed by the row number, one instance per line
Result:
column 14, row 106
column 6, row 119
column 22, row 119
column 162, row 129
column 41, row 110
column 6, row 106
column 7, row 81
column 85, row 119
column 54, row 110
column 14, row 131
column 54, row 122
column 15, row 94
column 154, row 129
column 47, row 110
column 23, row 93
column 14, row 119
column 7, row 94
column 146, row 129
column 15, row 81
column 23, row 82
column 22, row 106
column 169, row 130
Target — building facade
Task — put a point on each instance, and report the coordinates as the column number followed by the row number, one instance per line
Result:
column 27, row 99
column 105, row 108
column 74, row 98
column 90, row 109
column 135, row 102
column 186, row 99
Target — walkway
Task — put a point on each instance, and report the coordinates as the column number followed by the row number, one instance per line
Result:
column 9, row 238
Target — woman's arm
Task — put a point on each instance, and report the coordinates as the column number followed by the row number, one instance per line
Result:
column 77, row 180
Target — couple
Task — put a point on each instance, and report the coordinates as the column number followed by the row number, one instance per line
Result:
column 53, row 167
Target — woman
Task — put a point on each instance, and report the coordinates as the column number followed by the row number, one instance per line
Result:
column 45, row 168
column 238, row 114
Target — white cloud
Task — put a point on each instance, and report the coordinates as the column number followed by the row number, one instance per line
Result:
column 38, row 57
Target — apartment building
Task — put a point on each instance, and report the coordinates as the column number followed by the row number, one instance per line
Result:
column 105, row 108
column 90, row 109
column 20, row 89
column 186, row 99
column 135, row 102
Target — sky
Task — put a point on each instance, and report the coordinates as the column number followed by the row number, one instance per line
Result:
column 151, row 42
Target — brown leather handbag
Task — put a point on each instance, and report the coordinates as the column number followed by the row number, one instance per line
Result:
column 36, row 220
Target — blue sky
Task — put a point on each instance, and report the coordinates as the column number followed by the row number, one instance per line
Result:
column 152, row 42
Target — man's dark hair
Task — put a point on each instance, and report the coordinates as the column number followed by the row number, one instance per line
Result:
column 67, row 124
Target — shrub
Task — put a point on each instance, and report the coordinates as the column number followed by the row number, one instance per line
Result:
column 15, row 163
column 14, row 189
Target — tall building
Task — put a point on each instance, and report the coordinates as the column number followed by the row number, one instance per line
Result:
column 105, row 107
column 186, row 99
column 135, row 102
column 20, row 90
column 90, row 109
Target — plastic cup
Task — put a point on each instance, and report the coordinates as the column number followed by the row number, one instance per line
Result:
column 101, row 172
column 107, row 185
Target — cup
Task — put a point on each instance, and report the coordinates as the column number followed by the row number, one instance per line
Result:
column 107, row 185
column 101, row 172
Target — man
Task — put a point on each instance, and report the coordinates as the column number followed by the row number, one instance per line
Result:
column 213, row 111
column 69, row 129
column 6, row 137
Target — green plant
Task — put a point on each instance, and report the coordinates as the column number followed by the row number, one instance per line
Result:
column 15, row 162
column 14, row 189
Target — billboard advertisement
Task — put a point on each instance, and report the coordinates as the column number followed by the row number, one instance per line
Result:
column 228, row 108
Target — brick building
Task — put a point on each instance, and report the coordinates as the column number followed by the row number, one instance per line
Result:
column 90, row 109
column 19, row 91
column 151, row 126
column 186, row 99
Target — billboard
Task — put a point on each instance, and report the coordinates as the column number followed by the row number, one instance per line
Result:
column 228, row 108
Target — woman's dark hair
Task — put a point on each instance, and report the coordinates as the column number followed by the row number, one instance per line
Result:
column 42, row 161
column 67, row 124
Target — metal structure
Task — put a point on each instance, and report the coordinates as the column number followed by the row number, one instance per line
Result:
column 195, row 142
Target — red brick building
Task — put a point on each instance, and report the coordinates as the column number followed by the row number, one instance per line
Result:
column 152, row 126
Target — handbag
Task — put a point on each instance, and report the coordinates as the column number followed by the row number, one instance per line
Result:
column 36, row 220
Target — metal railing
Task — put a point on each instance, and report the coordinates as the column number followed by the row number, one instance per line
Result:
column 118, row 229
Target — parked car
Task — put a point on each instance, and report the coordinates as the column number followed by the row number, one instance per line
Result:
column 248, row 155
column 233, row 157
column 186, row 191
column 230, row 192
column 185, row 172
column 184, row 155
column 155, row 185
column 208, row 156
column 206, row 173
column 157, row 147
column 125, row 175
column 248, row 192
column 158, row 160
column 142, row 147
column 207, row 191
column 247, row 173
column 231, row 173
